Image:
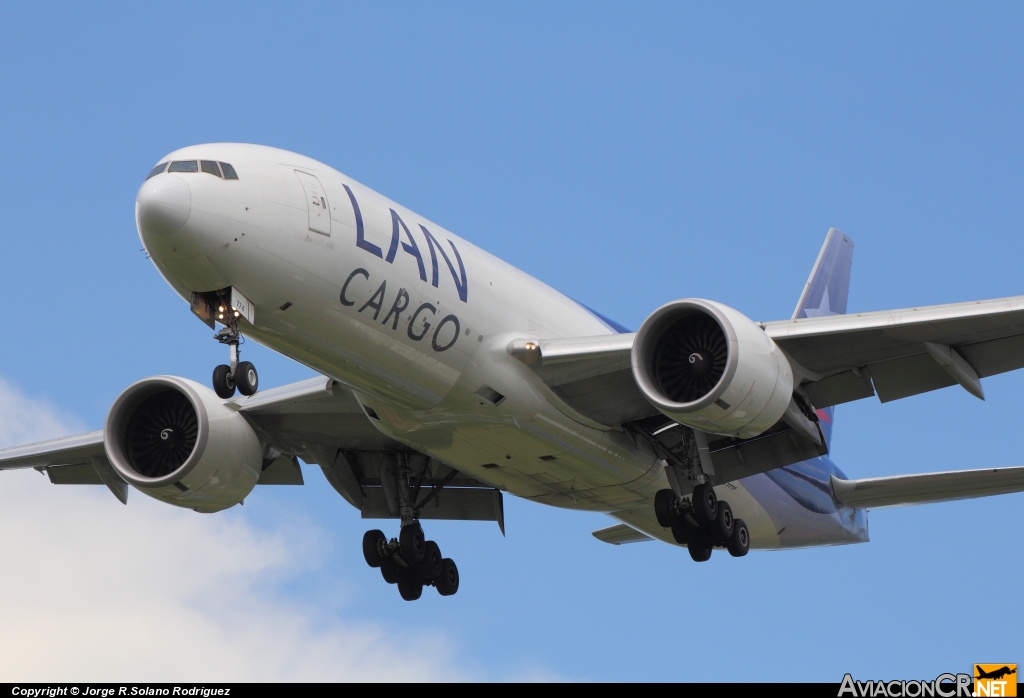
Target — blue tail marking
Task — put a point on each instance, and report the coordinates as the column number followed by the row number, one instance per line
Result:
column 826, row 293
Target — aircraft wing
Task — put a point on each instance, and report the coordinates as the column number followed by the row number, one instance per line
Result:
column 898, row 353
column 316, row 420
column 836, row 358
column 901, row 490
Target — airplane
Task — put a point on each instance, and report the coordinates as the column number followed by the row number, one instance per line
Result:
column 995, row 674
column 447, row 377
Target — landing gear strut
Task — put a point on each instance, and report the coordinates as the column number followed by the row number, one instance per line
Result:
column 410, row 561
column 237, row 374
column 701, row 522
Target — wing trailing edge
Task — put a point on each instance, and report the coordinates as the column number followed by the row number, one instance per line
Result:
column 620, row 534
column 926, row 488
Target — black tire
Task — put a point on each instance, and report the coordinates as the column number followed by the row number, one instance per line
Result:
column 664, row 508
column 223, row 382
column 429, row 568
column 411, row 543
column 722, row 528
column 246, row 378
column 409, row 588
column 373, row 547
column 681, row 530
column 699, row 547
column 448, row 582
column 705, row 504
column 390, row 571
column 739, row 542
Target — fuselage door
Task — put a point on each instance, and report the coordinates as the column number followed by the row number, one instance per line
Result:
column 316, row 202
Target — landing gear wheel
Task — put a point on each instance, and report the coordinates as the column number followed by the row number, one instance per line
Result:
column 409, row 588
column 705, row 504
column 681, row 530
column 448, row 583
column 739, row 542
column 246, row 378
column 373, row 546
column 429, row 568
column 699, row 547
column 223, row 382
column 411, row 543
column 664, row 502
column 722, row 528
column 389, row 571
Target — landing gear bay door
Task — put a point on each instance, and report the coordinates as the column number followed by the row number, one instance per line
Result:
column 221, row 306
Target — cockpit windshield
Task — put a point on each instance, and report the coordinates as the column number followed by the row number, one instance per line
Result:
column 217, row 169
column 184, row 166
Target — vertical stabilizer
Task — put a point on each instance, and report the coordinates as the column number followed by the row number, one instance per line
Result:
column 826, row 293
column 828, row 286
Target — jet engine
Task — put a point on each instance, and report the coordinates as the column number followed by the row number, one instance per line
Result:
column 708, row 366
column 176, row 441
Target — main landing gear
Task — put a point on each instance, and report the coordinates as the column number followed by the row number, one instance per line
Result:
column 702, row 522
column 238, row 374
column 411, row 562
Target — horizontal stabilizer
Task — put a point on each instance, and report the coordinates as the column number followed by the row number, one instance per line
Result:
column 619, row 534
column 925, row 488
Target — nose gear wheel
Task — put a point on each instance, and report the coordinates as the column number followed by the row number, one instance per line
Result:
column 240, row 375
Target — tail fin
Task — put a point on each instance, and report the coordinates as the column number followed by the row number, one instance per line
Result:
column 826, row 292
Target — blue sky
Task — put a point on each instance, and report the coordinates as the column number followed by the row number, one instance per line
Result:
column 625, row 154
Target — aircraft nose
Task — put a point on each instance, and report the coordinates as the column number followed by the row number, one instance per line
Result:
column 163, row 205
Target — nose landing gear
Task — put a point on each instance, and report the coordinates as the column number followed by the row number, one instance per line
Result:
column 238, row 374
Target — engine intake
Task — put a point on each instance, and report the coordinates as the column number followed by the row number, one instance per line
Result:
column 708, row 366
column 176, row 441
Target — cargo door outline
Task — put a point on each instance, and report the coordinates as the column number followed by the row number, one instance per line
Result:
column 316, row 203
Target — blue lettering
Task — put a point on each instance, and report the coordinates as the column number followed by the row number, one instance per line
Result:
column 411, row 247
column 361, row 240
column 364, row 273
column 426, row 325
column 459, row 278
column 400, row 304
column 376, row 300
column 447, row 319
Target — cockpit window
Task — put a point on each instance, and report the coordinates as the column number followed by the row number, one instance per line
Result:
column 229, row 171
column 184, row 166
column 157, row 170
column 210, row 167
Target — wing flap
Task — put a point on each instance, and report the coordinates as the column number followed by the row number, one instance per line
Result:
column 925, row 488
column 620, row 534
column 78, row 474
column 831, row 344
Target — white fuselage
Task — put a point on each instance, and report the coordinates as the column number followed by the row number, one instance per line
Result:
column 415, row 320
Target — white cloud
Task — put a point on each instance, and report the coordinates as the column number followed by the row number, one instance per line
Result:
column 97, row 591
column 26, row 420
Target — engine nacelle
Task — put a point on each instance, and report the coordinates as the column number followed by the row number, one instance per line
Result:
column 176, row 441
column 708, row 366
